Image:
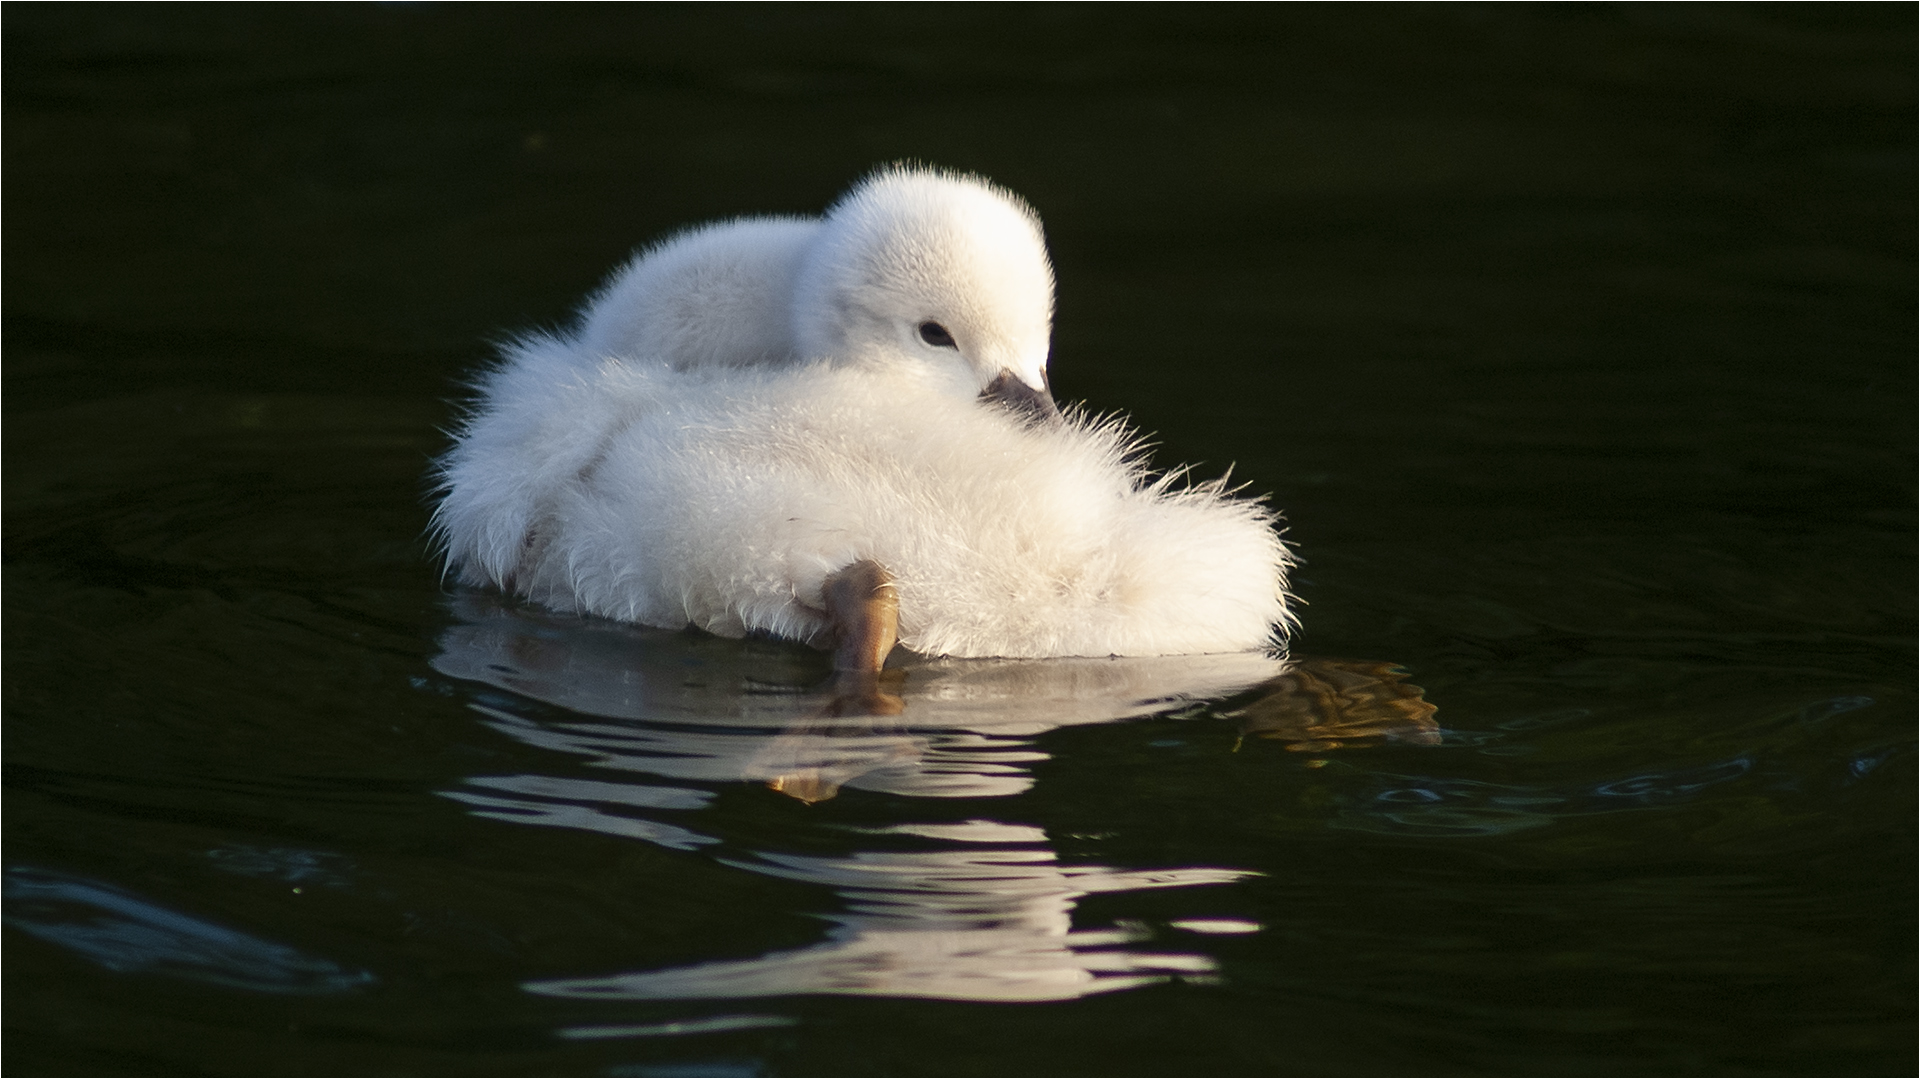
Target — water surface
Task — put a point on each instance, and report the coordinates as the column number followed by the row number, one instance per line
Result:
column 1577, row 346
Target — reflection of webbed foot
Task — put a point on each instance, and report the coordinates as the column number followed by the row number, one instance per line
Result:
column 863, row 611
column 866, row 693
column 1323, row 704
column 821, row 757
column 809, row 786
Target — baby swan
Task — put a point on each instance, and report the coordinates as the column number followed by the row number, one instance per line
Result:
column 840, row 431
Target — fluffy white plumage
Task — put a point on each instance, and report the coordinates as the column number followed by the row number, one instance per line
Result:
column 751, row 406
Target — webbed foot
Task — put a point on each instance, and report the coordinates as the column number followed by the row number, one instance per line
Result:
column 863, row 608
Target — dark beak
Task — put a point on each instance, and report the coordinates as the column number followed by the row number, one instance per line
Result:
column 1035, row 406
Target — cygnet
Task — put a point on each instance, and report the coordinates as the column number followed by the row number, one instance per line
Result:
column 840, row 431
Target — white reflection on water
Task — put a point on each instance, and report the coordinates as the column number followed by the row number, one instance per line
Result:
column 985, row 916
column 989, row 924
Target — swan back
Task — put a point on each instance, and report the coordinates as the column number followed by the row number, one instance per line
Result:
column 715, row 295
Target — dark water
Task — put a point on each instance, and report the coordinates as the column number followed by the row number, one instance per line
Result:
column 1578, row 345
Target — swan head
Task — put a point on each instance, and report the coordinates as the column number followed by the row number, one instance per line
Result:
column 945, row 273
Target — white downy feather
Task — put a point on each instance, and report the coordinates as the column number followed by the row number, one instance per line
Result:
column 751, row 406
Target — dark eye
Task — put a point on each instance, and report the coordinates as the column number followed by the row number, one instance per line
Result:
column 936, row 335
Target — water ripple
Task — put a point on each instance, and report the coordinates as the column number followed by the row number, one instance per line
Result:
column 1654, row 787
column 123, row 932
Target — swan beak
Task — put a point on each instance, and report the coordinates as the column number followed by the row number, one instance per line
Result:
column 1035, row 406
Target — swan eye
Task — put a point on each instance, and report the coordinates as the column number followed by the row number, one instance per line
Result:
column 936, row 335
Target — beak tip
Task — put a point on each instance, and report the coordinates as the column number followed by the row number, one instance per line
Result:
column 1011, row 391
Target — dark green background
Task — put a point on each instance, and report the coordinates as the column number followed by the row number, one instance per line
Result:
column 1577, row 343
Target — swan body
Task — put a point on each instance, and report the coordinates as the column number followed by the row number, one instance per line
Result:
column 751, row 408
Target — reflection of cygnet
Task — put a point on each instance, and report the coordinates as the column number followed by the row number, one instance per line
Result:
column 658, row 718
column 689, row 708
column 839, row 431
